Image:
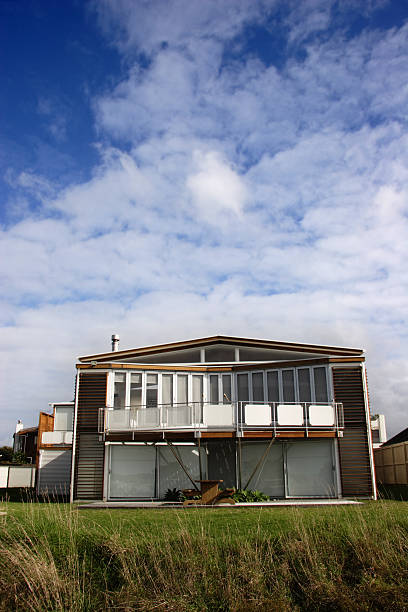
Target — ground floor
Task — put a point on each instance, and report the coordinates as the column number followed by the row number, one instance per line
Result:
column 282, row 469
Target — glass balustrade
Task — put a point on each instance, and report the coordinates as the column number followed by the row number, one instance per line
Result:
column 238, row 416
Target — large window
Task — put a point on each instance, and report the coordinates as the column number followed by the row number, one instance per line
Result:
column 305, row 384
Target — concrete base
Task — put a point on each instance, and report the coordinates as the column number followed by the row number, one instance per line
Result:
column 158, row 505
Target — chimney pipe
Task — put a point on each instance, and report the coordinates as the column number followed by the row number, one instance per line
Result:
column 19, row 426
column 115, row 342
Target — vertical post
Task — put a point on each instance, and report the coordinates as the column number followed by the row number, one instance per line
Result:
column 71, row 486
column 285, row 468
column 199, row 458
column 239, row 463
column 368, row 430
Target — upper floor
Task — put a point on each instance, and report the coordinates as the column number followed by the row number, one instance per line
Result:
column 220, row 384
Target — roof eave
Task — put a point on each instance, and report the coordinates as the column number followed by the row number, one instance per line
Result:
column 200, row 342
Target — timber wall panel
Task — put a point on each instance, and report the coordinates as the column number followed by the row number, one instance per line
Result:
column 89, row 460
column 391, row 464
column 355, row 468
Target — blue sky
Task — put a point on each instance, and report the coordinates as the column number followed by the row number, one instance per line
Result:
column 176, row 169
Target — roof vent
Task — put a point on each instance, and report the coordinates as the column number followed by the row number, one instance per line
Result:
column 115, row 342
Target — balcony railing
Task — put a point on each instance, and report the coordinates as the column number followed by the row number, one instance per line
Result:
column 235, row 416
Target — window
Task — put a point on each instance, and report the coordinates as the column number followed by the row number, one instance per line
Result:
column 320, row 384
column 243, row 390
column 63, row 418
column 226, row 388
column 151, row 390
column 167, row 389
column 214, row 389
column 198, row 389
column 305, row 391
column 182, row 389
column 135, row 390
column 288, row 383
column 305, row 384
column 273, row 386
column 257, row 387
column 119, row 394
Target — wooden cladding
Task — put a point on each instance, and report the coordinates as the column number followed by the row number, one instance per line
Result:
column 348, row 389
column 89, row 467
column 89, row 462
column 355, row 468
column 91, row 397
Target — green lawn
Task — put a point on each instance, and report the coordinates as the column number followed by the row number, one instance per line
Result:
column 56, row 557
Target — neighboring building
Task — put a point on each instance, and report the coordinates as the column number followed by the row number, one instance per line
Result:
column 289, row 419
column 55, row 452
column 49, row 447
column 25, row 441
column 378, row 431
column 28, row 441
column 402, row 436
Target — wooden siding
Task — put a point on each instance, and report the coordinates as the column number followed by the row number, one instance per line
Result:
column 89, row 453
column 355, row 468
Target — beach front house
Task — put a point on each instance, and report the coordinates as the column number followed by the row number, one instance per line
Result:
column 289, row 419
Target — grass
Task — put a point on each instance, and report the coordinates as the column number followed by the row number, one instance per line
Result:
column 54, row 557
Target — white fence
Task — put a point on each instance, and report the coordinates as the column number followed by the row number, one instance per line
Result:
column 12, row 476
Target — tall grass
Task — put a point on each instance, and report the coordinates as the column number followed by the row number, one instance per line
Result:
column 53, row 557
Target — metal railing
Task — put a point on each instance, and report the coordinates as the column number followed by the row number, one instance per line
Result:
column 233, row 416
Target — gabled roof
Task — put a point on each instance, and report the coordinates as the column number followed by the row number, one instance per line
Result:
column 27, row 430
column 225, row 340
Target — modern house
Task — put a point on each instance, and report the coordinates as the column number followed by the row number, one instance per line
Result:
column 289, row 419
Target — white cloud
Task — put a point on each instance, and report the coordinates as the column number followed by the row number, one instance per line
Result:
column 250, row 200
column 215, row 187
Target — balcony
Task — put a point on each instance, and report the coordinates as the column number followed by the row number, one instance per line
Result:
column 57, row 437
column 235, row 416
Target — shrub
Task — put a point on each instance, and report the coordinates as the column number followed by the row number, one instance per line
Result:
column 174, row 495
column 247, row 495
